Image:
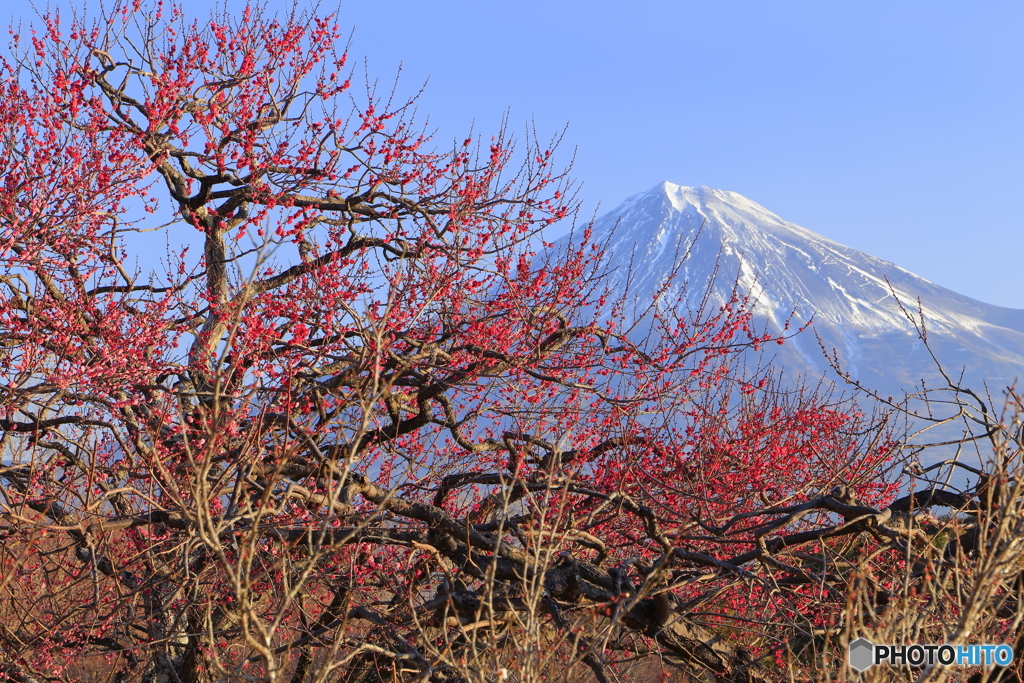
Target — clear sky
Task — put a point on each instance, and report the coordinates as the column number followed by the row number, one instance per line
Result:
column 892, row 127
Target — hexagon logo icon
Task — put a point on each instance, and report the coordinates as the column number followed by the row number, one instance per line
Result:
column 861, row 651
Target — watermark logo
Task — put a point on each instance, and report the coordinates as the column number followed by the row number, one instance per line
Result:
column 864, row 654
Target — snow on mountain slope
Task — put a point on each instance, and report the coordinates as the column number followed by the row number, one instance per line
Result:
column 848, row 293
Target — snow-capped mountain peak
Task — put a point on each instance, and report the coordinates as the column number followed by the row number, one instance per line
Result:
column 788, row 268
column 784, row 265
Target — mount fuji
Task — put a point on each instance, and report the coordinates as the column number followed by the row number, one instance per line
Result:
column 853, row 298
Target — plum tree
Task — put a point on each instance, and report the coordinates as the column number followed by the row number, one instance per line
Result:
column 354, row 427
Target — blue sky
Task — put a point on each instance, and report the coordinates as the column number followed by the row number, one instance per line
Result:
column 892, row 127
